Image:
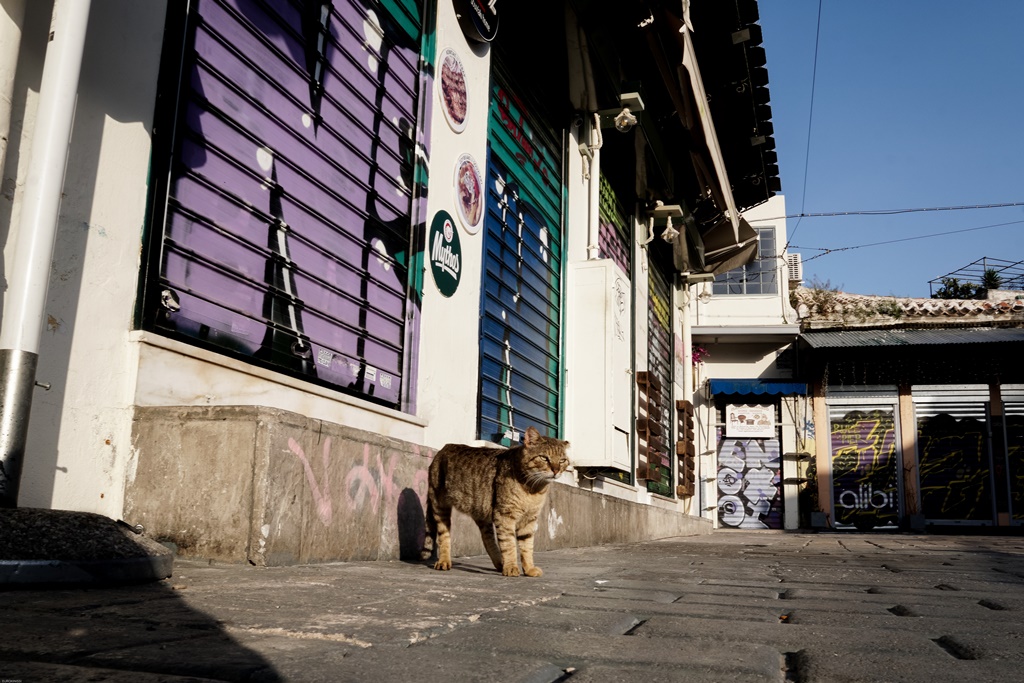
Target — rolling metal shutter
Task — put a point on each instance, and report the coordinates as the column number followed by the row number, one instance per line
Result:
column 659, row 364
column 1013, row 410
column 954, row 456
column 865, row 466
column 287, row 226
column 613, row 230
column 521, row 302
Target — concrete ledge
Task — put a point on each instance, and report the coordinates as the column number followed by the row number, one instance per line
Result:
column 270, row 487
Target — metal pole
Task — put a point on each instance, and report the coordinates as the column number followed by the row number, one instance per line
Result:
column 30, row 266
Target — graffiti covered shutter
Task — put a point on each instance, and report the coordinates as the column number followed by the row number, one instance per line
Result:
column 659, row 364
column 287, row 225
column 953, row 451
column 521, row 301
column 1013, row 421
column 865, row 467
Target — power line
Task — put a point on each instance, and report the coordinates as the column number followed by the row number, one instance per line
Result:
column 825, row 251
column 888, row 212
column 810, row 119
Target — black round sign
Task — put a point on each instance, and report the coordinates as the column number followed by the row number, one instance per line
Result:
column 478, row 19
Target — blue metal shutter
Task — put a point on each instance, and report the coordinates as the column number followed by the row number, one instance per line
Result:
column 287, row 225
column 521, row 302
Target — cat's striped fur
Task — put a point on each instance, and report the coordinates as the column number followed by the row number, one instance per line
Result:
column 501, row 489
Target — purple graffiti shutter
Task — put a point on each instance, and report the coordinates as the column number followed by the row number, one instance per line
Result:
column 659, row 363
column 613, row 233
column 287, row 227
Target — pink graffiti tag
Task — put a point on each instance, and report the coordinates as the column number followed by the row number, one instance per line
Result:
column 378, row 482
column 322, row 497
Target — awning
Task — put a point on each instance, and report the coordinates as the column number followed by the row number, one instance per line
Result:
column 716, row 251
column 757, row 386
column 862, row 338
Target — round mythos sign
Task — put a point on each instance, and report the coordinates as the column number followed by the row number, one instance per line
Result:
column 445, row 253
column 478, row 19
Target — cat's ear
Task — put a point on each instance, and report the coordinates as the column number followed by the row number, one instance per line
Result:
column 531, row 436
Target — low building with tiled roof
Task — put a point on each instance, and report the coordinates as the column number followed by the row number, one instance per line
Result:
column 918, row 408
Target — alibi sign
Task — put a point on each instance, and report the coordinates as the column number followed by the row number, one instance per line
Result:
column 445, row 253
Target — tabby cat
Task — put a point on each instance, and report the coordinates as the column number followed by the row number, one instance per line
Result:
column 501, row 489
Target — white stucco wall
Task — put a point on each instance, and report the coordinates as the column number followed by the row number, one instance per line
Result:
column 79, row 435
column 759, row 309
column 450, row 333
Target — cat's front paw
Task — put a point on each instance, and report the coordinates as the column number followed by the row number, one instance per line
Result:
column 533, row 571
column 510, row 570
column 443, row 565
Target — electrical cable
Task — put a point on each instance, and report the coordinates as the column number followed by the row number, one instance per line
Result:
column 887, row 212
column 826, row 251
column 810, row 119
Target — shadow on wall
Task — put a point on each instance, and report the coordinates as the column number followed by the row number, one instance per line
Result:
column 118, row 82
column 411, row 526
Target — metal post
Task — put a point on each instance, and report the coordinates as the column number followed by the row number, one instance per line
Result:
column 30, row 265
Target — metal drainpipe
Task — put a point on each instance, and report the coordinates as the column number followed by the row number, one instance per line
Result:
column 10, row 45
column 33, row 251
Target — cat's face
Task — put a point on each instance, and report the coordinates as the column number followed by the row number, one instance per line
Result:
column 543, row 458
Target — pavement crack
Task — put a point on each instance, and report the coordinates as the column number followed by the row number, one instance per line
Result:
column 300, row 635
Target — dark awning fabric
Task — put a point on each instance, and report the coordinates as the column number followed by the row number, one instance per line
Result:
column 717, row 250
column 757, row 386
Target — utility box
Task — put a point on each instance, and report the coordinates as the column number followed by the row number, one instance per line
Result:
column 599, row 362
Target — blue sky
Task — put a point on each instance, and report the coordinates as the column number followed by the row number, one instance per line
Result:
column 916, row 104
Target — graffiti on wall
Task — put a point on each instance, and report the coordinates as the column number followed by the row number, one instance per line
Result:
column 375, row 483
column 749, row 483
column 370, row 482
column 865, row 475
column 955, row 472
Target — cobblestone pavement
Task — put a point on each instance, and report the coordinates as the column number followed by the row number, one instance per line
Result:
column 733, row 606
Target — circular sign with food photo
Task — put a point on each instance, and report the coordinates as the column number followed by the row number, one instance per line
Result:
column 469, row 193
column 451, row 86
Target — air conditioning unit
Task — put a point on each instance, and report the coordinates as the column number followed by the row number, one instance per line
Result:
column 598, row 357
column 795, row 267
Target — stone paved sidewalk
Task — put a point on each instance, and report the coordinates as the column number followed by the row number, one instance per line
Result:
column 733, row 606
